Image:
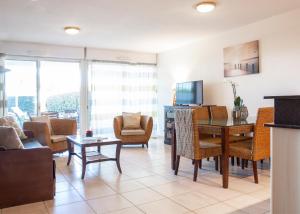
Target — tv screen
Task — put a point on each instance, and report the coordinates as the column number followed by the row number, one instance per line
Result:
column 189, row 93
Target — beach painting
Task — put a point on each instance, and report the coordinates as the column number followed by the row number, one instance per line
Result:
column 241, row 59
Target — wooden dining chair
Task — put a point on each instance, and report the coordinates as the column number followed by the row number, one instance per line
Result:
column 257, row 148
column 218, row 113
column 221, row 113
column 191, row 144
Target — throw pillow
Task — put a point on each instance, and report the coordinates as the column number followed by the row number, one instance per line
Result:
column 9, row 138
column 11, row 122
column 43, row 119
column 131, row 120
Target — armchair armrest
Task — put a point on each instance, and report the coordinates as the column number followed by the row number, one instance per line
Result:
column 40, row 131
column 64, row 126
column 147, row 125
column 29, row 134
column 118, row 124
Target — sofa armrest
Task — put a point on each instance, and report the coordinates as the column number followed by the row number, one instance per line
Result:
column 64, row 126
column 147, row 125
column 118, row 124
column 40, row 131
column 29, row 134
column 26, row 176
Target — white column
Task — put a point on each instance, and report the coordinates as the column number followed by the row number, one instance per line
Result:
column 84, row 97
column 285, row 171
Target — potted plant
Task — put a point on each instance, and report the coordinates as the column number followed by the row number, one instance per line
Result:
column 240, row 111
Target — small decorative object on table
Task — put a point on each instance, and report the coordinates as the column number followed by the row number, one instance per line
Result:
column 89, row 133
column 239, row 111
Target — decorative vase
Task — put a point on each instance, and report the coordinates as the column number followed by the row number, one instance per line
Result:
column 240, row 113
column 89, row 133
column 244, row 112
column 236, row 114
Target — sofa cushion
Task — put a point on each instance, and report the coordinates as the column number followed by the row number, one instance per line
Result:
column 31, row 144
column 10, row 121
column 131, row 120
column 9, row 138
column 129, row 132
column 43, row 119
column 58, row 138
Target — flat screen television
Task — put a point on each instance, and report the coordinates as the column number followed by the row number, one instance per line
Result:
column 189, row 93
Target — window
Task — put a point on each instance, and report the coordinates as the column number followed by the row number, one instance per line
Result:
column 119, row 87
column 60, row 89
column 54, row 86
column 20, row 88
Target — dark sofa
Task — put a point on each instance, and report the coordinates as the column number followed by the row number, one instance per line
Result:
column 26, row 175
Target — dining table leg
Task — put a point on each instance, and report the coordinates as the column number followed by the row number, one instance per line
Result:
column 225, row 156
column 173, row 149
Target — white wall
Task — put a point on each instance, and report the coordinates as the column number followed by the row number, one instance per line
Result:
column 279, row 40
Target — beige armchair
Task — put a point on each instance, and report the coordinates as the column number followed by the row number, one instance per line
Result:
column 55, row 137
column 134, row 136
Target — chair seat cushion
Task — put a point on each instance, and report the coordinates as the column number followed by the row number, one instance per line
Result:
column 241, row 149
column 205, row 145
column 58, row 138
column 31, row 143
column 232, row 139
column 209, row 149
column 127, row 132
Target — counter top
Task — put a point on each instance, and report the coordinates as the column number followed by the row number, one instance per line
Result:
column 285, row 126
column 289, row 97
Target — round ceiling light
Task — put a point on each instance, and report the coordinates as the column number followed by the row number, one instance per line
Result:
column 72, row 30
column 205, row 7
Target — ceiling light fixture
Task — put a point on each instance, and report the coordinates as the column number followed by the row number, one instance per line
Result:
column 72, row 30
column 205, row 7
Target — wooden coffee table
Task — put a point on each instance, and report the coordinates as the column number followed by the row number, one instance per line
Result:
column 88, row 157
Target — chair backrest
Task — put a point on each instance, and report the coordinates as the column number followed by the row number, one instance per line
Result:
column 201, row 113
column 218, row 113
column 261, row 138
column 184, row 132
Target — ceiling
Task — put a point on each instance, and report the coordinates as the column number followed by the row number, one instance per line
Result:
column 139, row 25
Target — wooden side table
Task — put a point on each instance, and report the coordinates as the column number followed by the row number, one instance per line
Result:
column 88, row 157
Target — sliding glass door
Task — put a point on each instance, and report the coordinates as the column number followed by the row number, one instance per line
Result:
column 20, row 88
column 119, row 87
column 60, row 89
column 42, row 87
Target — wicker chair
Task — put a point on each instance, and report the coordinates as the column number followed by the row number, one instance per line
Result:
column 200, row 147
column 259, row 147
column 56, row 137
column 134, row 138
column 218, row 113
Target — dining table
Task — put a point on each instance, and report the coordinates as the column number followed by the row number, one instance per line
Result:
column 223, row 128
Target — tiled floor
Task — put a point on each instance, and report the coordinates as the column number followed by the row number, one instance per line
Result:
column 148, row 185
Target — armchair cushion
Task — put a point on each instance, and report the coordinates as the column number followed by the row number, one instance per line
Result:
column 9, row 138
column 128, row 132
column 58, row 138
column 131, row 120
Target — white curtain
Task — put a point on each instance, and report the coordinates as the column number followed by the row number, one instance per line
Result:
column 119, row 87
column 2, row 85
